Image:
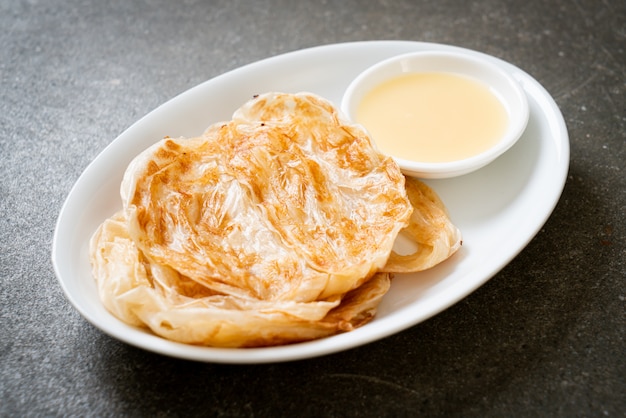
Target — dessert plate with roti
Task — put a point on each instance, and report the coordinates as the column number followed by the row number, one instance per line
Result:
column 498, row 209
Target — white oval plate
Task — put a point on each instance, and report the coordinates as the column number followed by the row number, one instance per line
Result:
column 499, row 208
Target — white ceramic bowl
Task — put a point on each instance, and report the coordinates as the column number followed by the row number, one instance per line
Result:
column 475, row 65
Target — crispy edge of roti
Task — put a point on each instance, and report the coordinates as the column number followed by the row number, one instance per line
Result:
column 430, row 227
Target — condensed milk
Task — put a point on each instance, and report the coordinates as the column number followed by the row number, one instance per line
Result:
column 433, row 117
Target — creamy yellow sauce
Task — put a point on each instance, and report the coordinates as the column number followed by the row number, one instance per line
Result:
column 432, row 117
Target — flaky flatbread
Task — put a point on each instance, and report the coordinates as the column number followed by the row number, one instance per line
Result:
column 275, row 227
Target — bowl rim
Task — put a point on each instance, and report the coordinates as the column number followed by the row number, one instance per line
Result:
column 518, row 119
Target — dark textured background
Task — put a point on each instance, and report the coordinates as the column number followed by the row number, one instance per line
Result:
column 545, row 337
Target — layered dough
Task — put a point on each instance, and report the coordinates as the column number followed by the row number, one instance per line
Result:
column 275, row 227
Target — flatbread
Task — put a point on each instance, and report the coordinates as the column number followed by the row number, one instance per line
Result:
column 275, row 227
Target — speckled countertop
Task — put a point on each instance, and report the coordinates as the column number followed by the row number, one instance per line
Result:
column 544, row 337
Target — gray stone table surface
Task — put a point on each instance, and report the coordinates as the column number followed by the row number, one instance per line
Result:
column 544, row 337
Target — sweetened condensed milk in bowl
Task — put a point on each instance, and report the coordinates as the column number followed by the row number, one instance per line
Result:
column 438, row 114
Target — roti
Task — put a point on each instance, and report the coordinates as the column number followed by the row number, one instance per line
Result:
column 274, row 227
